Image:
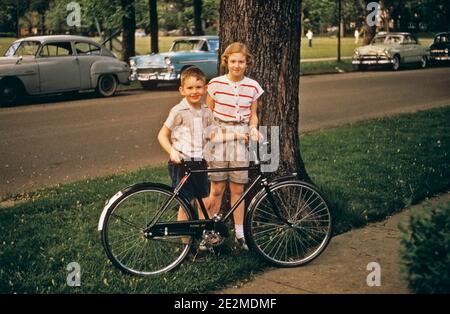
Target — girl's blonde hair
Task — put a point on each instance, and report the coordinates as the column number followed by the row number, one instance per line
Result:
column 235, row 47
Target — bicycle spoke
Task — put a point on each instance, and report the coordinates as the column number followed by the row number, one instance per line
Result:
column 126, row 243
column 308, row 232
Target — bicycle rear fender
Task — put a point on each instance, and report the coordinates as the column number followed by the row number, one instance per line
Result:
column 123, row 193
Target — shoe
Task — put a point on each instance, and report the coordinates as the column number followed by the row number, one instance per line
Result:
column 202, row 246
column 241, row 244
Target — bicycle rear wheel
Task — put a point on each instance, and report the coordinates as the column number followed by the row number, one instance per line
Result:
column 123, row 234
column 303, row 235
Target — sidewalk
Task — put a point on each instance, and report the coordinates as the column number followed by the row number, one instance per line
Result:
column 342, row 268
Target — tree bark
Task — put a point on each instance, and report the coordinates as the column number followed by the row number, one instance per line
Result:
column 153, row 10
column 198, row 17
column 271, row 31
column 128, row 29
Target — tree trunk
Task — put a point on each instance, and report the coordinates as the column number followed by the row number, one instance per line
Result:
column 198, row 17
column 153, row 10
column 128, row 29
column 42, row 23
column 271, row 31
column 339, row 30
column 369, row 31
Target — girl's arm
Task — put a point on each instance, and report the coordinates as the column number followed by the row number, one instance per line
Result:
column 164, row 141
column 255, row 135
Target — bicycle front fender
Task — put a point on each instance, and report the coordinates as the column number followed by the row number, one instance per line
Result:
column 112, row 201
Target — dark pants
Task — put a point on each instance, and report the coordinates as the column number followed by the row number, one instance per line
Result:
column 197, row 186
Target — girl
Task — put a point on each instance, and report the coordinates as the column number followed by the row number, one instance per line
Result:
column 233, row 100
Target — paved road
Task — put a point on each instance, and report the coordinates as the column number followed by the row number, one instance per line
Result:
column 58, row 140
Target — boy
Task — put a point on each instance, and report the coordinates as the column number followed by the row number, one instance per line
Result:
column 182, row 137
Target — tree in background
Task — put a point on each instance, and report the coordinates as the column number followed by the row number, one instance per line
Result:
column 198, row 28
column 128, row 29
column 153, row 13
column 271, row 30
column 40, row 6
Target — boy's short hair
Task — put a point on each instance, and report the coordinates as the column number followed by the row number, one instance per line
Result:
column 236, row 47
column 192, row 72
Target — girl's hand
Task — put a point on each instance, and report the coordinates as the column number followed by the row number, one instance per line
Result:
column 255, row 135
column 242, row 137
column 175, row 156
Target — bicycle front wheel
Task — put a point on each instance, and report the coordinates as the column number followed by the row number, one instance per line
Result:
column 123, row 235
column 291, row 225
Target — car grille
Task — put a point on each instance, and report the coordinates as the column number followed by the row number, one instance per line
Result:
column 152, row 70
column 372, row 57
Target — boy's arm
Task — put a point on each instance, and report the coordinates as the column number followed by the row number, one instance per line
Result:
column 210, row 102
column 214, row 138
column 164, row 141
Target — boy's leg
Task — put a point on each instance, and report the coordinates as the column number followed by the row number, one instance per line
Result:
column 183, row 217
column 215, row 197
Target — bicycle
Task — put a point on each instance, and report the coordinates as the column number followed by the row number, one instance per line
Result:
column 288, row 223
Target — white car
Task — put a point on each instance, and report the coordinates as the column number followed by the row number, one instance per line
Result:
column 54, row 64
column 392, row 49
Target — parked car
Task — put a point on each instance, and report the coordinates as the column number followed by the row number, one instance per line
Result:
column 392, row 49
column 440, row 47
column 60, row 63
column 199, row 51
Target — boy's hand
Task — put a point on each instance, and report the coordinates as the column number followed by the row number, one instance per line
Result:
column 175, row 156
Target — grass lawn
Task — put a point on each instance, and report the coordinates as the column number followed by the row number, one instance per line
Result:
column 368, row 171
column 323, row 47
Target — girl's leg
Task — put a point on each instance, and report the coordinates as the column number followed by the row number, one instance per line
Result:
column 236, row 190
column 206, row 203
column 215, row 197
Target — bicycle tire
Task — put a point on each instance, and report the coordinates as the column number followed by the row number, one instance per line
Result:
column 308, row 234
column 123, row 237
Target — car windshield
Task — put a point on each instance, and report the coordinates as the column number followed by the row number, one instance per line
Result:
column 188, row 45
column 24, row 48
column 442, row 38
column 389, row 39
column 214, row 44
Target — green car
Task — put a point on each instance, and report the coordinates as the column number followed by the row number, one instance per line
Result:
column 199, row 51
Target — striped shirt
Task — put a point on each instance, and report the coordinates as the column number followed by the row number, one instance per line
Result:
column 233, row 100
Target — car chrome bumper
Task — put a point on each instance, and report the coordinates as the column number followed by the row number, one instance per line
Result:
column 372, row 61
column 440, row 58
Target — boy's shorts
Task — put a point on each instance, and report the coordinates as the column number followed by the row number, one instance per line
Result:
column 197, row 186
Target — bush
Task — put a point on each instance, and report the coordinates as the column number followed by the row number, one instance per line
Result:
column 425, row 250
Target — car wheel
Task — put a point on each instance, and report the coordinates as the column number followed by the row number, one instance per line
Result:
column 11, row 93
column 396, row 63
column 107, row 85
column 423, row 62
column 149, row 85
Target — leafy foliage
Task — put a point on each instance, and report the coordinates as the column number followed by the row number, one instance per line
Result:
column 425, row 250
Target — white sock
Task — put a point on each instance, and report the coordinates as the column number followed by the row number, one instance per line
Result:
column 239, row 231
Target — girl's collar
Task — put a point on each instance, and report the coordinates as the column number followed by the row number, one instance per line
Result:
column 233, row 82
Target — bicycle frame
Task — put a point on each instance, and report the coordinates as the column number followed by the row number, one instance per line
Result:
column 196, row 227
